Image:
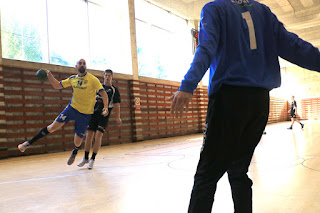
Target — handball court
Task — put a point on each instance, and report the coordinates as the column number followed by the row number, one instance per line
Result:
column 156, row 176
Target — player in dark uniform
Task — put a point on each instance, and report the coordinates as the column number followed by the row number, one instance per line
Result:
column 99, row 122
column 293, row 115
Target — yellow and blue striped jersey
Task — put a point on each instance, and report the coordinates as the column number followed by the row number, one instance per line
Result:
column 84, row 89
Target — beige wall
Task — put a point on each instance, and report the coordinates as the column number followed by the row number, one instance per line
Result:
column 299, row 82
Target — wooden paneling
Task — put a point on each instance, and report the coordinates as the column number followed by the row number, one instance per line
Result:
column 278, row 110
column 310, row 108
column 155, row 112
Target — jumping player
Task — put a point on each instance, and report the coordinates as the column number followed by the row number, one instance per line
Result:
column 98, row 122
column 84, row 88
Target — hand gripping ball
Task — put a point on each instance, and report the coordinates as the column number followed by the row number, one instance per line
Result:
column 41, row 74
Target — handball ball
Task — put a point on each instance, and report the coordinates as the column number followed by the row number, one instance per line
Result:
column 41, row 75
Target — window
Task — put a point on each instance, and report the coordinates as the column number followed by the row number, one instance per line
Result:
column 205, row 79
column 68, row 31
column 61, row 32
column 163, row 43
column 152, row 47
column 110, row 37
column 24, row 30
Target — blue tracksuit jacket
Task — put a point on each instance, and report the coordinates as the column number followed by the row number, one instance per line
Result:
column 240, row 40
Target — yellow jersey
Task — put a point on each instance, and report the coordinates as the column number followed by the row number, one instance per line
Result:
column 84, row 90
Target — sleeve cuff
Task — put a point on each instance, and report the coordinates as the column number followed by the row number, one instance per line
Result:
column 187, row 87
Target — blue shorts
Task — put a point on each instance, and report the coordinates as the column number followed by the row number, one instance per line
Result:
column 81, row 120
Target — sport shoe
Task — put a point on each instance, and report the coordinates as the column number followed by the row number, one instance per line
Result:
column 82, row 162
column 25, row 145
column 72, row 158
column 302, row 125
column 90, row 165
column 290, row 127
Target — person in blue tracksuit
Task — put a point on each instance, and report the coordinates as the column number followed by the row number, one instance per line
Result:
column 240, row 40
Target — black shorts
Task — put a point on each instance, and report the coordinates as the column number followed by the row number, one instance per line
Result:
column 293, row 114
column 99, row 122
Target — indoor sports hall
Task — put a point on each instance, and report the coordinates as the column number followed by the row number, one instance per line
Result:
column 148, row 164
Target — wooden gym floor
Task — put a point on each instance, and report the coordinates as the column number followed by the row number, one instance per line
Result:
column 157, row 176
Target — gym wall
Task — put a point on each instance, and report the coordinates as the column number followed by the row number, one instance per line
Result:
column 28, row 105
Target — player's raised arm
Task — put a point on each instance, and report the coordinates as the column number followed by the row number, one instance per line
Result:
column 53, row 81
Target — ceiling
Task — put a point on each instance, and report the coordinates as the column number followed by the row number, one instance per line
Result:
column 299, row 16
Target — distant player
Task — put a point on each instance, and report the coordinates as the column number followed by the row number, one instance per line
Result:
column 98, row 122
column 84, row 88
column 293, row 110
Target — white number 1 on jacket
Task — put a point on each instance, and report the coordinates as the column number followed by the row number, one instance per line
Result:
column 252, row 34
